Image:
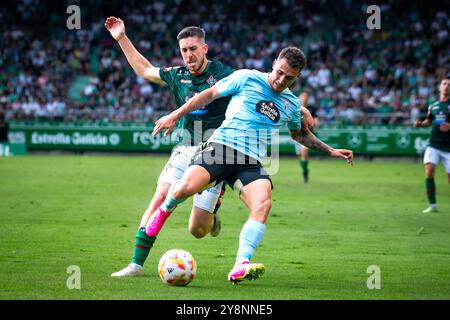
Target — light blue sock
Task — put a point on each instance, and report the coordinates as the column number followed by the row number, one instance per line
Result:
column 170, row 203
column 251, row 235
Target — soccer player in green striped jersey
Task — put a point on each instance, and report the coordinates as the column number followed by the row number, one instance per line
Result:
column 301, row 151
column 438, row 117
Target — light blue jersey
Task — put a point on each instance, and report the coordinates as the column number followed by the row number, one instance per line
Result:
column 255, row 112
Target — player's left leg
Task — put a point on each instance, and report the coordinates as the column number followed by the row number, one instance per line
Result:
column 195, row 179
column 430, row 187
column 217, row 225
column 430, row 160
column 256, row 195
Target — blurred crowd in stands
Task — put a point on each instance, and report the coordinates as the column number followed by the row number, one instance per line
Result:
column 355, row 75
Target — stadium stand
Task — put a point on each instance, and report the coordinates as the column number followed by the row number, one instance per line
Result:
column 356, row 75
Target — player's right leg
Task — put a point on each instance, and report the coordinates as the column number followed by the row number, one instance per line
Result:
column 201, row 222
column 431, row 160
column 304, row 159
column 255, row 193
column 143, row 243
column 204, row 217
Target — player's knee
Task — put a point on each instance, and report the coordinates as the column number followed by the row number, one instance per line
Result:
column 260, row 210
column 181, row 190
column 160, row 197
column 429, row 170
column 266, row 205
column 429, row 173
column 157, row 200
column 198, row 232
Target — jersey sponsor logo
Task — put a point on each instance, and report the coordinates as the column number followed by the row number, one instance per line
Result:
column 268, row 109
column 185, row 81
column 198, row 112
column 440, row 118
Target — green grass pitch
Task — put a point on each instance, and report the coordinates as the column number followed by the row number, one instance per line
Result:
column 59, row 211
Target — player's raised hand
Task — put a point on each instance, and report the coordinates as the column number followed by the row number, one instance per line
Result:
column 116, row 27
column 167, row 122
column 343, row 154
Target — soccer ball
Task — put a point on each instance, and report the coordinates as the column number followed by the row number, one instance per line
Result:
column 177, row 267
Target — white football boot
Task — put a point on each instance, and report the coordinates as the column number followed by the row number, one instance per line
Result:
column 132, row 270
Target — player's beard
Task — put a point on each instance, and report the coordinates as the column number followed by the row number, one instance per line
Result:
column 445, row 95
column 200, row 67
column 270, row 81
column 275, row 86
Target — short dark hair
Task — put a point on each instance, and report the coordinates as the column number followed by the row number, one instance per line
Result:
column 294, row 57
column 191, row 32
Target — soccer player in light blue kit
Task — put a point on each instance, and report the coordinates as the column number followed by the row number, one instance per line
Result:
column 261, row 103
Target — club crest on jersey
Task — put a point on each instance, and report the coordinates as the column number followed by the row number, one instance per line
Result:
column 211, row 81
column 268, row 109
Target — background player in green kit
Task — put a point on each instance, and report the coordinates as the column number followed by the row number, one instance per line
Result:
column 301, row 151
column 197, row 75
column 438, row 117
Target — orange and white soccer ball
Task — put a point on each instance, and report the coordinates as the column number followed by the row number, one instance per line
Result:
column 177, row 267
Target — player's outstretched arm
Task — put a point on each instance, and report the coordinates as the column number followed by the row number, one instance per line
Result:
column 138, row 62
column 198, row 101
column 308, row 139
column 422, row 124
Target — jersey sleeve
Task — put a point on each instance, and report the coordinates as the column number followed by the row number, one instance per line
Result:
column 233, row 83
column 228, row 70
column 429, row 115
column 222, row 70
column 168, row 75
column 295, row 123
